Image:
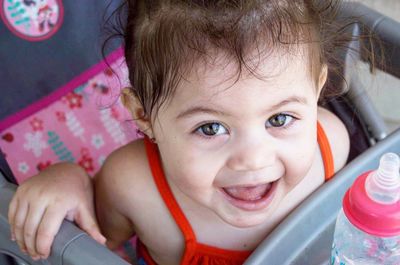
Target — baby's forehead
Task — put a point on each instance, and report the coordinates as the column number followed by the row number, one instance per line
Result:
column 219, row 89
column 279, row 68
column 217, row 79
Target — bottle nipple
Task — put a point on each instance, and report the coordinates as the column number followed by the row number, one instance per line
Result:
column 383, row 185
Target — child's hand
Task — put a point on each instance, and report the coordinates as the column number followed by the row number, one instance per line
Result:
column 42, row 202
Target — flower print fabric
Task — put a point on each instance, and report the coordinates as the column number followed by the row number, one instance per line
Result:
column 83, row 127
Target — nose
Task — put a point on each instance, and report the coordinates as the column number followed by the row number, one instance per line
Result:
column 252, row 155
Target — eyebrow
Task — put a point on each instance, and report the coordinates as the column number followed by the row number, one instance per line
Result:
column 202, row 109
column 292, row 99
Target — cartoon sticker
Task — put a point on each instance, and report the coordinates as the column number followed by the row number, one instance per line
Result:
column 32, row 20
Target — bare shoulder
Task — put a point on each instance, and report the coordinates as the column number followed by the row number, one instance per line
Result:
column 117, row 187
column 337, row 135
column 128, row 201
column 124, row 173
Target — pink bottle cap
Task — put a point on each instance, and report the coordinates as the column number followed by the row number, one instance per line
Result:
column 369, row 216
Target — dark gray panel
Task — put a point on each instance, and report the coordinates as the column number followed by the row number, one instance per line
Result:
column 31, row 70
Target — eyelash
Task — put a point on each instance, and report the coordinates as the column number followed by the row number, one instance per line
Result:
column 285, row 126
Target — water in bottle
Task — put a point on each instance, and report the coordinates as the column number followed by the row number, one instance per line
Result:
column 367, row 229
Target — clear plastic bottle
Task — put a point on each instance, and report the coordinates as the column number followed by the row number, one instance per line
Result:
column 367, row 228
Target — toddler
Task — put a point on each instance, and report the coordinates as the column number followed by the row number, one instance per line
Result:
column 226, row 94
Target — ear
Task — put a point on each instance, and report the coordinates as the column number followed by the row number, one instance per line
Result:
column 323, row 75
column 132, row 103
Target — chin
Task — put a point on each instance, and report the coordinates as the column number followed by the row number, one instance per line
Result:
column 245, row 220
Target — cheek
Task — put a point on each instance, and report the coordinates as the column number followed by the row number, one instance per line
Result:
column 188, row 167
column 299, row 157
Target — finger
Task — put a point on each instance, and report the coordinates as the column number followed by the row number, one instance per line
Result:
column 87, row 222
column 12, row 210
column 33, row 219
column 48, row 228
column 19, row 222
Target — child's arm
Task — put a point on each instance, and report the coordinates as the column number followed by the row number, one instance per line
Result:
column 112, row 200
column 41, row 203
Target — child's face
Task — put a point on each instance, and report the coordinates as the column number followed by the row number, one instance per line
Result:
column 239, row 148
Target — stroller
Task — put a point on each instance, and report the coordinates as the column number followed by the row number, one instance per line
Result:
column 70, row 46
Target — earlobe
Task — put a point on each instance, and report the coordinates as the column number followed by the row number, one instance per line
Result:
column 133, row 105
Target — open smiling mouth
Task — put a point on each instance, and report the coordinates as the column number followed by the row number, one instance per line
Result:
column 251, row 198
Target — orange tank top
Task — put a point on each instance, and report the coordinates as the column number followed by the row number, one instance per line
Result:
column 196, row 253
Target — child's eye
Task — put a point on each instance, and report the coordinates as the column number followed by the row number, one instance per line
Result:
column 279, row 120
column 212, row 129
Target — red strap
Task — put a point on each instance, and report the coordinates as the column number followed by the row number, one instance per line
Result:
column 169, row 199
column 326, row 152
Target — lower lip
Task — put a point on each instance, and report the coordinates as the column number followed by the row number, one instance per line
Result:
column 255, row 205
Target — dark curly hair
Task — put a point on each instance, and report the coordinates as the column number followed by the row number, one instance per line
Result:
column 163, row 39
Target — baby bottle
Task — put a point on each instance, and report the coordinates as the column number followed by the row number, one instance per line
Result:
column 368, row 226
